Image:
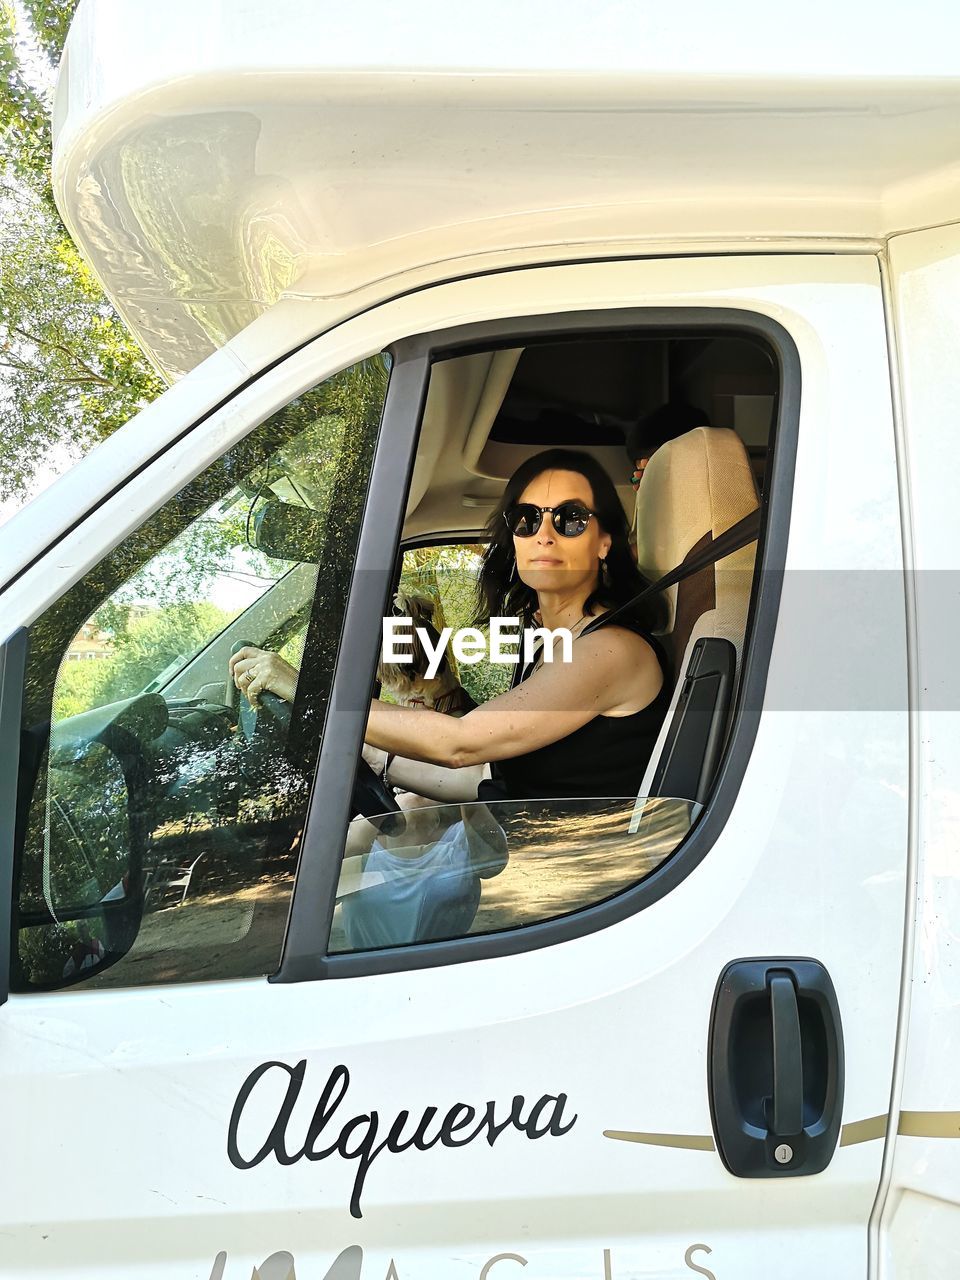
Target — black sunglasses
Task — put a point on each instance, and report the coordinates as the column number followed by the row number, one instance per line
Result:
column 570, row 519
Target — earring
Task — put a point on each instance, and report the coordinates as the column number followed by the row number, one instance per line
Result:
column 604, row 572
column 513, row 571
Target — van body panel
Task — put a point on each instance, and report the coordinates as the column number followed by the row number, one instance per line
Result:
column 241, row 161
column 141, row 1083
column 922, row 1207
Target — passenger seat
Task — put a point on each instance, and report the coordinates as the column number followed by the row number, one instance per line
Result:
column 694, row 488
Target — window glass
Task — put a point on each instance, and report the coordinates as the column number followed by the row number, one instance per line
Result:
column 447, row 575
column 438, row 872
column 651, row 433
column 162, row 811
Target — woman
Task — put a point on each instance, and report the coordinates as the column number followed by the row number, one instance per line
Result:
column 557, row 557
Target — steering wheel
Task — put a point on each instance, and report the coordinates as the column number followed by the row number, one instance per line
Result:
column 373, row 798
column 275, row 723
column 271, row 719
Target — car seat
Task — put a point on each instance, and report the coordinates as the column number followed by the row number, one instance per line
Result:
column 695, row 488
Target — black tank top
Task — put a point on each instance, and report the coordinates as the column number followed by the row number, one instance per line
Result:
column 605, row 757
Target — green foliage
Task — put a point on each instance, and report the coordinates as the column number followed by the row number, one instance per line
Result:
column 70, row 374
column 50, row 20
column 24, row 114
column 80, row 687
column 449, row 575
column 152, row 595
column 144, row 646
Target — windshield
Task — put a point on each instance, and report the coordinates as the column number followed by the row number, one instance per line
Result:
column 206, row 571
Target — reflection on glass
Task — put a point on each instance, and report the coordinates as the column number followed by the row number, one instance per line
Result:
column 88, row 828
column 448, row 871
column 164, row 820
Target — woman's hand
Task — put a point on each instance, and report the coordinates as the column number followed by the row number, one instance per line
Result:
column 255, row 671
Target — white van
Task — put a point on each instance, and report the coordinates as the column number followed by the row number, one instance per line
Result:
column 383, row 256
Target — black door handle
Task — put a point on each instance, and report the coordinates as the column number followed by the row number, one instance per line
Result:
column 787, row 1103
column 775, row 1068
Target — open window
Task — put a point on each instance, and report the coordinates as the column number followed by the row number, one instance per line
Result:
column 466, row 871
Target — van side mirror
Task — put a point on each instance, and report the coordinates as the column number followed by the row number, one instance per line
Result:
column 81, row 905
column 288, row 532
column 82, row 891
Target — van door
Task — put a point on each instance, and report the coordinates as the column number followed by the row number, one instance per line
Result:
column 586, row 1089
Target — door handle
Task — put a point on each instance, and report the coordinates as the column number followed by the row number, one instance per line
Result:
column 775, row 1068
column 787, row 1101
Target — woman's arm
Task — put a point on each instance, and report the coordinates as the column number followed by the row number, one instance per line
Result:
column 613, row 672
column 447, row 786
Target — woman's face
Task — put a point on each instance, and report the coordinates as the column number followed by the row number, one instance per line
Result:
column 548, row 562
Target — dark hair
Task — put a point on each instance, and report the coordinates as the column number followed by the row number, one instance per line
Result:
column 420, row 610
column 673, row 419
column 501, row 593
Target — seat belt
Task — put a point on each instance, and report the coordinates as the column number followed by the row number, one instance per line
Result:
column 738, row 535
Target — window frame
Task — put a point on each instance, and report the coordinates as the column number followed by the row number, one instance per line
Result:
column 313, row 899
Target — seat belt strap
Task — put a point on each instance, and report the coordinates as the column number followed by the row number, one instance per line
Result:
column 738, row 535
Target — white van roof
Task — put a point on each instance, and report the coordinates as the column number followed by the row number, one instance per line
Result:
column 210, row 157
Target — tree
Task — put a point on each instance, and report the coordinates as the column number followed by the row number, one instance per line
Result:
column 148, row 644
column 71, row 373
column 448, row 574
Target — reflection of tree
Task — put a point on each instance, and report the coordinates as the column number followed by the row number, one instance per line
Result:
column 234, row 823
column 46, row 952
column 86, row 851
column 231, row 809
column 143, row 644
column 160, row 612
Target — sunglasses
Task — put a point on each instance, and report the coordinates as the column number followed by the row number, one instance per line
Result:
column 570, row 519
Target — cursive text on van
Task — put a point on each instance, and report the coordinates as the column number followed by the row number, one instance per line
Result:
column 365, row 1137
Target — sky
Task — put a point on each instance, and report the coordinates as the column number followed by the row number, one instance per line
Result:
column 59, row 460
column 39, row 73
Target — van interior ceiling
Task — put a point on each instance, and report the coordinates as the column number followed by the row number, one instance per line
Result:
column 488, row 411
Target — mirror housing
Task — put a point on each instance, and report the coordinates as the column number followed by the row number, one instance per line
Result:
column 288, row 532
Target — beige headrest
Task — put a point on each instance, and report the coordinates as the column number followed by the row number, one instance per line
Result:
column 697, row 485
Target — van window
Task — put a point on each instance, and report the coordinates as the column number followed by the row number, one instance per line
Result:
column 454, row 871
column 446, row 575
column 165, row 812
column 699, row 412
